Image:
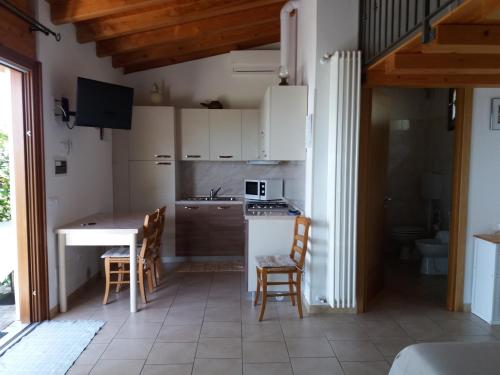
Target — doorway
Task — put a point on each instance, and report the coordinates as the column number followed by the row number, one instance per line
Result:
column 413, row 189
column 23, row 258
column 10, row 178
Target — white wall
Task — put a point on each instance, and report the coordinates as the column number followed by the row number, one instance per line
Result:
column 87, row 188
column 337, row 30
column 307, row 35
column 484, row 200
column 190, row 83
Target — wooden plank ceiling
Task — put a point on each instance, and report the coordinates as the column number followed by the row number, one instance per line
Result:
column 146, row 34
column 464, row 53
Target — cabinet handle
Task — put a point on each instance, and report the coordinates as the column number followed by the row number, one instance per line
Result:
column 162, row 156
column 223, row 207
column 191, row 207
column 226, row 156
column 192, row 156
column 163, row 163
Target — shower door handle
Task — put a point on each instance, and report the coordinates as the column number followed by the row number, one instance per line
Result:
column 387, row 200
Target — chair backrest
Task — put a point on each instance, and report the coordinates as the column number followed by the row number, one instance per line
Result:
column 300, row 240
column 149, row 234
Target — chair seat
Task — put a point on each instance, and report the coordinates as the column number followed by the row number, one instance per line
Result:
column 275, row 261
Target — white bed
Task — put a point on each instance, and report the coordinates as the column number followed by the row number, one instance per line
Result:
column 448, row 358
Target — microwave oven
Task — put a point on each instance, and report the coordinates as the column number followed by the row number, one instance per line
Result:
column 266, row 190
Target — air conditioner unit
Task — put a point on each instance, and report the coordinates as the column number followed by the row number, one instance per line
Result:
column 255, row 61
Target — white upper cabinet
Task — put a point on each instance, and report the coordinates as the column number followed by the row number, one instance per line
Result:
column 225, row 134
column 250, row 127
column 152, row 136
column 283, row 123
column 195, row 134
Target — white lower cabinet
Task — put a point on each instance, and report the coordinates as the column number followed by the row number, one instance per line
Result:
column 267, row 236
column 152, row 185
column 486, row 279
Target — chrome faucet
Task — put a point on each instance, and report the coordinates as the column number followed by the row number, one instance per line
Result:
column 213, row 193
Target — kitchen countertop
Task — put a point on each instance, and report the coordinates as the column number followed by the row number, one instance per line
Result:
column 493, row 238
column 181, row 202
column 249, row 215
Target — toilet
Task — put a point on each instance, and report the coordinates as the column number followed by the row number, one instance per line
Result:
column 406, row 236
column 434, row 253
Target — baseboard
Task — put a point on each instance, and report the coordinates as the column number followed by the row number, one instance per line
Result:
column 175, row 259
column 76, row 294
column 326, row 309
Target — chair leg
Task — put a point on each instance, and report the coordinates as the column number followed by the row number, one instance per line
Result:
column 141, row 284
column 290, row 288
column 299, row 293
column 149, row 275
column 107, row 270
column 158, row 270
column 257, row 291
column 264, row 294
column 153, row 272
column 121, row 267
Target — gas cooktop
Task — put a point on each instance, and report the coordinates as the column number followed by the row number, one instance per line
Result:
column 276, row 205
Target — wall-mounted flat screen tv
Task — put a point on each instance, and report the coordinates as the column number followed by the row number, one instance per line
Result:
column 103, row 105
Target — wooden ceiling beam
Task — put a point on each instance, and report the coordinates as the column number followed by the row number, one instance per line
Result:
column 442, row 64
column 202, row 43
column 189, row 30
column 171, row 13
column 378, row 78
column 66, row 11
column 200, row 54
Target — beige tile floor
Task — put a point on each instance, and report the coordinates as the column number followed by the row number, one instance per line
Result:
column 203, row 324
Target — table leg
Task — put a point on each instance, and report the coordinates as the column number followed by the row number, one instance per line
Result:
column 61, row 245
column 133, row 273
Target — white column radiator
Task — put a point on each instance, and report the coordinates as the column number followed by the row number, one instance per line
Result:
column 343, row 145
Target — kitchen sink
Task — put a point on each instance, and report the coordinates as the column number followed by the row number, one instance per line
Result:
column 222, row 199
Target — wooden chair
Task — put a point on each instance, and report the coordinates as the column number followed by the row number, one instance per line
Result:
column 291, row 265
column 120, row 258
column 156, row 255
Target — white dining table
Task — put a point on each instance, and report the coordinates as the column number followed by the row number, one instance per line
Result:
column 102, row 229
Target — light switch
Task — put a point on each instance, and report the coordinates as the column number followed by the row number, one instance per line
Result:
column 61, row 167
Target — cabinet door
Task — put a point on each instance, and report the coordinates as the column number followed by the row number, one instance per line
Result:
column 226, row 230
column 250, row 127
column 152, row 185
column 225, row 134
column 152, row 134
column 288, row 123
column 192, row 230
column 195, row 134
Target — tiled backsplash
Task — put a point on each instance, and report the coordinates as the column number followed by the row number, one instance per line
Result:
column 197, row 178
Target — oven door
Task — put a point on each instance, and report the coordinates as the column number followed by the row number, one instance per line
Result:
column 252, row 188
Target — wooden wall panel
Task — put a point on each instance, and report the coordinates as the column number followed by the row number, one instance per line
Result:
column 14, row 32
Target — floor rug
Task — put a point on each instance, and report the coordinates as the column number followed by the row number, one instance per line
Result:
column 49, row 349
column 210, row 267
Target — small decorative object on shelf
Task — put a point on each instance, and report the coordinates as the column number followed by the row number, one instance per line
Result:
column 212, row 104
column 156, row 95
column 283, row 74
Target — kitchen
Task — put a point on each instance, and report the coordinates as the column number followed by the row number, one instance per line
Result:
column 232, row 179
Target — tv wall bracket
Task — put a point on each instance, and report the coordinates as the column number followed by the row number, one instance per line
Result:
column 66, row 114
column 63, row 106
